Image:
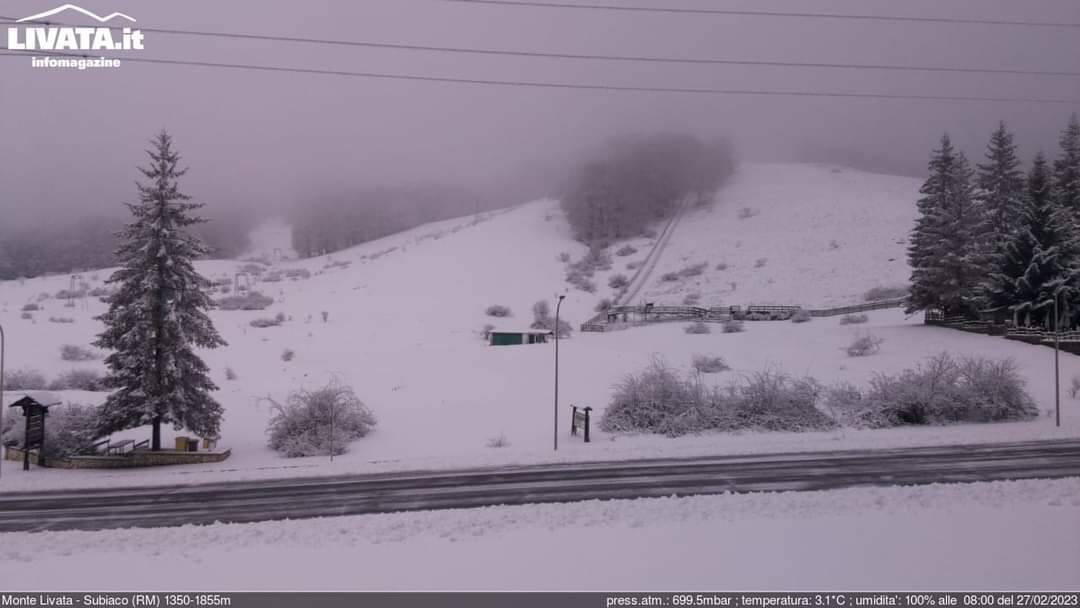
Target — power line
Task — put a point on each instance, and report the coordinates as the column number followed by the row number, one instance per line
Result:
column 595, row 57
column 750, row 13
column 556, row 85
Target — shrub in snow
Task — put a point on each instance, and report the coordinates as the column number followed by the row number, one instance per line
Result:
column 633, row 265
column 581, row 281
column 255, row 268
column 659, row 401
column 67, row 294
column 801, row 316
column 747, row 213
column 694, row 270
column 722, row 266
column 834, row 245
column 618, row 281
column 70, row 430
column 886, row 293
column 864, row 345
column 498, row 442
column 542, row 319
column 27, row 316
column 698, row 327
column 564, row 257
column 287, row 355
column 24, row 380
column 319, row 422
column 733, row 326
column 486, row 330
column 760, row 262
column 62, row 320
column 265, row 322
column 709, row 364
column 298, row 273
column 946, row 390
column 626, row 250
column 603, row 305
column 854, row 319
column 691, row 299
column 98, row 292
column 498, row 310
column 251, row 300
column 78, row 380
column 31, row 307
column 72, row 352
column 230, row 374
column 272, row 277
column 669, row 277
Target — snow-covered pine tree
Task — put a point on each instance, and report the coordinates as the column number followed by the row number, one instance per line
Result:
column 157, row 316
column 947, row 252
column 1067, row 169
column 1039, row 257
column 1000, row 184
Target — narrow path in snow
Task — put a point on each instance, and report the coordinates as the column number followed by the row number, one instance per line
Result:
column 359, row 494
column 644, row 273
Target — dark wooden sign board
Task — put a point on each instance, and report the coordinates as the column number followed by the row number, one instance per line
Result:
column 35, row 428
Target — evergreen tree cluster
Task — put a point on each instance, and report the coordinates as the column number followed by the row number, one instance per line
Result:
column 996, row 239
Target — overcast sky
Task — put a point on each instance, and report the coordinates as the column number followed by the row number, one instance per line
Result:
column 70, row 140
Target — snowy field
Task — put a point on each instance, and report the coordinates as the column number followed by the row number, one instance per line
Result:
column 1022, row 535
column 441, row 394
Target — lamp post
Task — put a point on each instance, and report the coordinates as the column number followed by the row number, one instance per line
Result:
column 2, row 343
column 558, row 305
column 1057, row 371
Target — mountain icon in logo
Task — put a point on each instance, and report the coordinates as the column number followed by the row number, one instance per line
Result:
column 79, row 9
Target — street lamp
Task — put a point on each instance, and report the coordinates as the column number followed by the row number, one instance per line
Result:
column 558, row 305
column 2, row 341
column 1057, row 372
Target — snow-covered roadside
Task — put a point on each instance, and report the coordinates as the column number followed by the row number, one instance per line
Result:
column 1002, row 535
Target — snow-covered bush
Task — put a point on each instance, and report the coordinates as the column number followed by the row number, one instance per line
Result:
column 864, row 345
column 659, row 401
column 626, row 250
column 694, row 270
column 691, row 299
column 618, row 281
column 498, row 442
column 78, row 380
column 669, row 277
column 287, row 355
column 698, row 327
column 24, row 380
column 70, row 430
column 722, row 266
column 760, row 262
column 854, row 319
column 72, row 352
column 498, row 310
column 733, row 326
column 634, row 265
column 99, row 292
column 31, row 307
column 298, row 273
column 801, row 316
column 265, row 322
column 319, row 422
column 27, row 316
column 886, row 293
column 61, row 320
column 945, row 390
column 230, row 374
column 747, row 213
column 603, row 305
column 542, row 319
column 709, row 364
column 252, row 300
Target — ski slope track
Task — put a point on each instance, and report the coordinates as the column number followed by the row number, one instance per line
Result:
column 354, row 495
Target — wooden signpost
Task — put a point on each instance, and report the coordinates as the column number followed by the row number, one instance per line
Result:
column 579, row 420
column 34, row 437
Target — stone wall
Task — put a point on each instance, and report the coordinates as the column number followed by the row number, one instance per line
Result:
column 137, row 459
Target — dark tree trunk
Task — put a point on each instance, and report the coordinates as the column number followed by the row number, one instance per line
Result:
column 155, row 444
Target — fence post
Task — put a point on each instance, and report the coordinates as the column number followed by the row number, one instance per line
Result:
column 588, row 408
column 573, row 420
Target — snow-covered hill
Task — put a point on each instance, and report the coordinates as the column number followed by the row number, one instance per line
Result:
column 404, row 315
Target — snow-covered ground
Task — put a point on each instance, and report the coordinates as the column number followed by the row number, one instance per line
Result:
column 404, row 315
column 1022, row 535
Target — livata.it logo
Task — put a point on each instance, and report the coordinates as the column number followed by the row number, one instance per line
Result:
column 66, row 45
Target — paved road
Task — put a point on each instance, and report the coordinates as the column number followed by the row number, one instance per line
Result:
column 357, row 494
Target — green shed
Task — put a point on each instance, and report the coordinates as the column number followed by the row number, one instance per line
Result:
column 512, row 338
